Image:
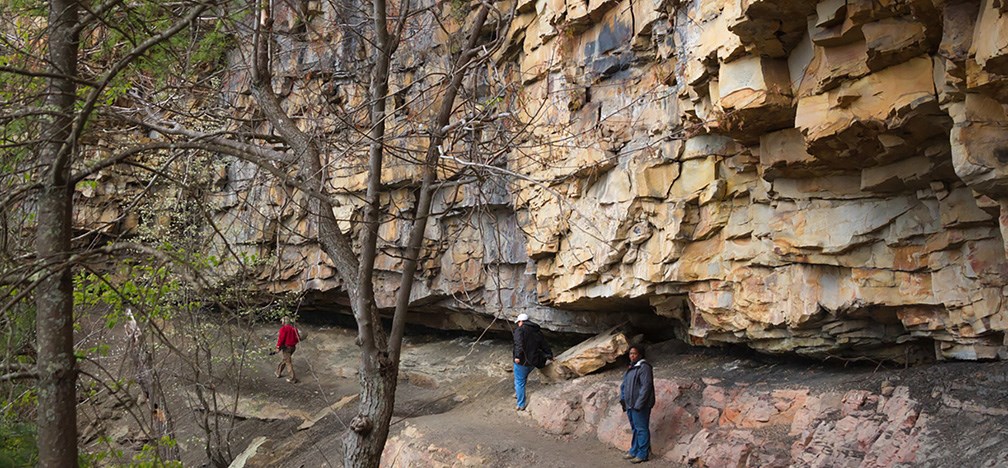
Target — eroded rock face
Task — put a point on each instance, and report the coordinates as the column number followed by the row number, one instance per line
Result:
column 705, row 423
column 816, row 186
column 823, row 178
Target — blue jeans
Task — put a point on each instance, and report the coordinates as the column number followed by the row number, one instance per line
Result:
column 521, row 374
column 640, row 421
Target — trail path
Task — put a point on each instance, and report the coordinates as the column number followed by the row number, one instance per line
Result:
column 452, row 391
column 455, row 407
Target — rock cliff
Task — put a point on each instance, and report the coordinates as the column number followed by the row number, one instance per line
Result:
column 823, row 178
column 788, row 175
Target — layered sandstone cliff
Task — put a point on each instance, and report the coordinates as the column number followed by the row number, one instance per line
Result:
column 789, row 175
column 827, row 179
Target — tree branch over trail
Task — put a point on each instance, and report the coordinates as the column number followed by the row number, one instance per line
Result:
column 422, row 213
column 379, row 352
column 335, row 243
column 92, row 98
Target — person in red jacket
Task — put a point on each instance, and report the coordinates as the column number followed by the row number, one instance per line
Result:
column 286, row 343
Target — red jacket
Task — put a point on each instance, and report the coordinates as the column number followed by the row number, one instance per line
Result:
column 288, row 337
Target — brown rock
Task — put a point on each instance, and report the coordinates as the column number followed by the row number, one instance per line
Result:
column 820, row 178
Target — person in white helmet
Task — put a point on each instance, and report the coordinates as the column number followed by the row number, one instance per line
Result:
column 530, row 351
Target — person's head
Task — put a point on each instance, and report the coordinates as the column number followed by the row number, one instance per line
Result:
column 285, row 320
column 522, row 318
column 636, row 353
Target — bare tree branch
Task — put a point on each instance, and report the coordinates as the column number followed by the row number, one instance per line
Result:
column 422, row 211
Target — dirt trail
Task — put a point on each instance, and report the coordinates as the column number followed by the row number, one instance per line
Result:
column 455, row 407
column 453, row 391
column 490, row 432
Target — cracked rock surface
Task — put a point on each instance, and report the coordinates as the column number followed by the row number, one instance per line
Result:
column 824, row 178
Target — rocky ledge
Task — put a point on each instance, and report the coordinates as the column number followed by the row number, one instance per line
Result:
column 822, row 178
column 718, row 411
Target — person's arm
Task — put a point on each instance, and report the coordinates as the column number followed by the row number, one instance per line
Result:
column 519, row 346
column 622, row 394
column 545, row 348
column 280, row 337
column 646, row 378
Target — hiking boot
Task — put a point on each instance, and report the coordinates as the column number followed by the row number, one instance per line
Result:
column 292, row 380
column 637, row 460
column 627, row 456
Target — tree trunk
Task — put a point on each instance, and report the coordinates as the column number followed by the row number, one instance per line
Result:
column 422, row 212
column 369, row 430
column 379, row 366
column 150, row 384
column 364, row 442
column 57, row 399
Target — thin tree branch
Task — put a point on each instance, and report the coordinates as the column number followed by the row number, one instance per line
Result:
column 422, row 211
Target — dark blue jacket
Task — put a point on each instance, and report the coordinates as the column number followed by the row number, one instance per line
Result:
column 637, row 389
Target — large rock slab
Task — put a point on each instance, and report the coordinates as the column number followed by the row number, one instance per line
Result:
column 714, row 419
column 589, row 355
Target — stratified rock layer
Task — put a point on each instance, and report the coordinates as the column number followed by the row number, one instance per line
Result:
column 814, row 178
column 827, row 179
column 710, row 422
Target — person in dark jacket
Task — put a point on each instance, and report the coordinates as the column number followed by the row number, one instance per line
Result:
column 287, row 340
column 530, row 351
column 637, row 397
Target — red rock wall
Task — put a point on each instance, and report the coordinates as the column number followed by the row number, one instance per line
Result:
column 709, row 424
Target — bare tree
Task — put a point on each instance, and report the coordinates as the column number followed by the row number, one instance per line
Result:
column 69, row 131
column 380, row 351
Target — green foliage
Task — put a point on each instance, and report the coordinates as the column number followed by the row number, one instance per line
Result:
column 107, row 457
column 29, row 8
column 21, row 51
column 18, row 321
column 13, row 134
column 18, row 398
column 91, row 184
column 459, row 10
column 284, row 306
column 212, row 46
column 17, row 431
column 17, row 444
column 149, row 288
column 192, row 51
column 149, row 457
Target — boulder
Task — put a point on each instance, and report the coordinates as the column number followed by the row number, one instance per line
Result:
column 589, row 356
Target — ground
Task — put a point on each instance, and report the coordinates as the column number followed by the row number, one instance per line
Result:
column 455, row 407
column 455, row 391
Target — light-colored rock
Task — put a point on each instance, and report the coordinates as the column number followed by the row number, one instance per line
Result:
column 989, row 47
column 589, row 355
column 756, row 93
column 853, row 118
column 814, row 177
column 249, row 452
column 980, row 143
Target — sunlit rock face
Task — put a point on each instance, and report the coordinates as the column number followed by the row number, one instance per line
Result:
column 825, row 178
